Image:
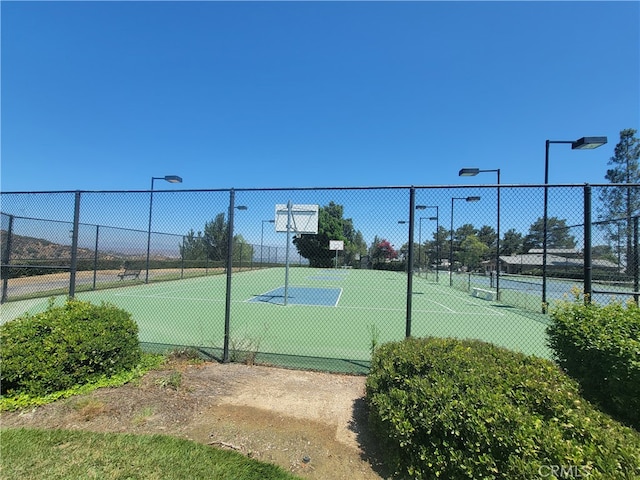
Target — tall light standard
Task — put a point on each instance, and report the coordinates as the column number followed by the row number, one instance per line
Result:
column 262, row 238
column 436, row 218
column 417, row 207
column 404, row 222
column 167, row 178
column 472, row 172
column 584, row 143
column 227, row 311
column 466, row 199
column 420, row 242
column 437, row 248
column 420, row 207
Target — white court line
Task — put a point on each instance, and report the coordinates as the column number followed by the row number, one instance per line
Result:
column 164, row 297
column 441, row 305
column 162, row 293
column 338, row 299
column 419, row 310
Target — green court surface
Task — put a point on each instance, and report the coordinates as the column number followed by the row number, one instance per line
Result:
column 330, row 319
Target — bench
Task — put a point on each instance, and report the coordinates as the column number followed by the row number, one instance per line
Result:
column 129, row 272
column 482, row 293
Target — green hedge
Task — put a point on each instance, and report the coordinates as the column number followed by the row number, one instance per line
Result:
column 599, row 346
column 390, row 266
column 66, row 346
column 453, row 409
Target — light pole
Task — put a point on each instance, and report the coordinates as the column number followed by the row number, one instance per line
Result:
column 472, row 172
column 227, row 311
column 403, row 222
column 584, row 143
column 262, row 238
column 420, row 207
column 437, row 219
column 170, row 179
column 420, row 242
column 417, row 207
column 466, row 199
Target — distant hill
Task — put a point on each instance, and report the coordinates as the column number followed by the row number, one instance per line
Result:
column 30, row 248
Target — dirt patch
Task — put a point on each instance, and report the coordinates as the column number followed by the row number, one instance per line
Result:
column 310, row 423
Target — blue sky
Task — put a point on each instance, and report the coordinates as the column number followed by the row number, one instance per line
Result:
column 105, row 95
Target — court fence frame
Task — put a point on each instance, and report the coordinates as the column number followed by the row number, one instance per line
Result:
column 80, row 260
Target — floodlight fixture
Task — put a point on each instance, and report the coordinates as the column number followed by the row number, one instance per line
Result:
column 588, row 143
column 173, row 179
column 468, row 172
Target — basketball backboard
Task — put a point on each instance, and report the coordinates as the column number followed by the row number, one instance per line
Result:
column 304, row 218
column 336, row 245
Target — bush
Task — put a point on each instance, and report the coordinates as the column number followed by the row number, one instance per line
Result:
column 66, row 346
column 599, row 346
column 455, row 409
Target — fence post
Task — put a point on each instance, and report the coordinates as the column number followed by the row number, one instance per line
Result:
column 6, row 257
column 636, row 259
column 74, row 247
column 182, row 259
column 227, row 311
column 588, row 264
column 412, row 206
column 95, row 257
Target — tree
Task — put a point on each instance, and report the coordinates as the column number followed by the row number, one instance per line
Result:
column 438, row 249
column 331, row 226
column 472, row 251
column 621, row 203
column 213, row 243
column 463, row 232
column 193, row 247
column 215, row 238
column 242, row 251
column 488, row 236
column 355, row 249
column 458, row 237
column 383, row 251
column 511, row 243
column 557, row 235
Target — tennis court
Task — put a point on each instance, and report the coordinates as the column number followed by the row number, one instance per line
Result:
column 332, row 316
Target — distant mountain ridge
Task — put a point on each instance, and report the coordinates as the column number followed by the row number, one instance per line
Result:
column 30, row 248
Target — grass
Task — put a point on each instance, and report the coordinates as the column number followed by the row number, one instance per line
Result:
column 67, row 454
column 63, row 454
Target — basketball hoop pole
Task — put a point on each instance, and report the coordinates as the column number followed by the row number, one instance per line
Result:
column 286, row 271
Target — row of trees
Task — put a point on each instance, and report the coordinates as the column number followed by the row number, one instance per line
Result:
column 471, row 245
column 212, row 244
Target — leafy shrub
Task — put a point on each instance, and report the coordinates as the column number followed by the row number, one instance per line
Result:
column 599, row 346
column 454, row 409
column 66, row 346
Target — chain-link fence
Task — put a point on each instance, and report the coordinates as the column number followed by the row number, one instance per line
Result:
column 483, row 261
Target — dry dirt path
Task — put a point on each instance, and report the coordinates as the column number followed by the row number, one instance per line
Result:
column 310, row 423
